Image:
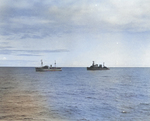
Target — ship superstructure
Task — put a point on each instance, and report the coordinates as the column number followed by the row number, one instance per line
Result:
column 97, row 67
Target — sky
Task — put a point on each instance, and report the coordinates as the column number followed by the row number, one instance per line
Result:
column 75, row 33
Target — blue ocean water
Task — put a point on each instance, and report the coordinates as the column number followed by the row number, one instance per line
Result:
column 75, row 94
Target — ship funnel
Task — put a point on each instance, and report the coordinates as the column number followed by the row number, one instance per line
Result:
column 93, row 63
column 41, row 63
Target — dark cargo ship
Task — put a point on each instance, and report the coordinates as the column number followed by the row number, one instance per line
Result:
column 97, row 67
column 47, row 68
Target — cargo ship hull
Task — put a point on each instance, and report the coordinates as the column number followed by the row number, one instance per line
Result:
column 40, row 69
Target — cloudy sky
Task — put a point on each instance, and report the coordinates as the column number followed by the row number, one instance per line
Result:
column 74, row 33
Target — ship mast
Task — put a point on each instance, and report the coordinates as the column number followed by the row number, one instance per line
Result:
column 55, row 63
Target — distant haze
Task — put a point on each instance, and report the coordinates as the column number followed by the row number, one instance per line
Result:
column 75, row 33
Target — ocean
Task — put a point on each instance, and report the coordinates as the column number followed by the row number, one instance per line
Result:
column 74, row 94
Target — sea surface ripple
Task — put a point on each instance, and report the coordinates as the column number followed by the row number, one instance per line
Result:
column 74, row 94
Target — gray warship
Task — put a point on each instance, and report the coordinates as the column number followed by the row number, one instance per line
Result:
column 97, row 67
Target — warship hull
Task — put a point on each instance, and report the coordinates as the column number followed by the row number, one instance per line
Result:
column 89, row 68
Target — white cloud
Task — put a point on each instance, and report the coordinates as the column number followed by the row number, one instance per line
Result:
column 73, row 25
column 4, row 58
column 88, row 16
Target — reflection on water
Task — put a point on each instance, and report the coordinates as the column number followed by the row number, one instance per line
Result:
column 19, row 106
column 22, row 105
column 18, row 102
